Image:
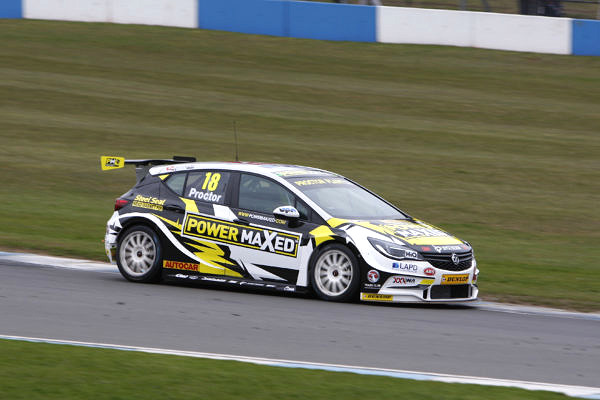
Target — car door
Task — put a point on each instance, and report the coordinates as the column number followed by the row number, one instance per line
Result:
column 198, row 216
column 270, row 247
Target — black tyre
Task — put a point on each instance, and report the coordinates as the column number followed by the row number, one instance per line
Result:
column 335, row 274
column 139, row 254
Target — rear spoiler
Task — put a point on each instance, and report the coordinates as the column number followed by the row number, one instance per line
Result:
column 141, row 166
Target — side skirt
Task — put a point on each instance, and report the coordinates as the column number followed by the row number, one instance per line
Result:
column 182, row 276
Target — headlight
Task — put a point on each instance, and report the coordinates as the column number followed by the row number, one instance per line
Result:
column 394, row 250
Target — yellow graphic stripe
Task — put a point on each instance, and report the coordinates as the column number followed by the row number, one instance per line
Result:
column 322, row 234
column 212, row 254
column 335, row 222
column 190, row 205
column 176, row 225
column 163, row 177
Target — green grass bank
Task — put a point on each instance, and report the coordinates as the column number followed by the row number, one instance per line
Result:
column 45, row 371
column 499, row 148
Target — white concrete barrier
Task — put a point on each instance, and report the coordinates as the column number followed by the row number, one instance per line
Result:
column 474, row 29
column 181, row 13
column 424, row 26
column 522, row 33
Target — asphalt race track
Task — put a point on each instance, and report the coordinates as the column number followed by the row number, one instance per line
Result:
column 102, row 307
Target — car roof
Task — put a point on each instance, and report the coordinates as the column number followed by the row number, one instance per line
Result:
column 279, row 170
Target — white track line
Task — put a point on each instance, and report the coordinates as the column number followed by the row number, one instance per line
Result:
column 574, row 391
column 86, row 265
column 59, row 262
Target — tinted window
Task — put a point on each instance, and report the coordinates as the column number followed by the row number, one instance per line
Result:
column 262, row 195
column 175, row 182
column 303, row 210
column 209, row 186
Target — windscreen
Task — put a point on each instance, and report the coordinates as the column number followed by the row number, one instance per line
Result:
column 343, row 199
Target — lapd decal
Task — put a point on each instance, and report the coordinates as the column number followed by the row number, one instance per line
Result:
column 263, row 239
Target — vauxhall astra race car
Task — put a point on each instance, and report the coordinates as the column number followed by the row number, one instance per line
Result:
column 280, row 227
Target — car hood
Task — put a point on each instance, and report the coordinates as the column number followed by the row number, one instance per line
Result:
column 412, row 232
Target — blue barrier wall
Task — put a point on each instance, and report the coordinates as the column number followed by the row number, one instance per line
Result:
column 312, row 20
column 586, row 37
column 331, row 21
column 245, row 16
column 309, row 20
column 11, row 9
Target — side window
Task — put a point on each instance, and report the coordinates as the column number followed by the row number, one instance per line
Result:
column 262, row 195
column 175, row 182
column 303, row 210
column 209, row 186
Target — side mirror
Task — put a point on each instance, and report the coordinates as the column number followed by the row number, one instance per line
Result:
column 286, row 212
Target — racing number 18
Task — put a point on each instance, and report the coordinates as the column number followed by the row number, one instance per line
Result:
column 211, row 181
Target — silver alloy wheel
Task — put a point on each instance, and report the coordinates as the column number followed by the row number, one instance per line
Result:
column 333, row 273
column 138, row 253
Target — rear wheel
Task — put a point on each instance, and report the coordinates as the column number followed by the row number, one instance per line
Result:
column 139, row 254
column 335, row 273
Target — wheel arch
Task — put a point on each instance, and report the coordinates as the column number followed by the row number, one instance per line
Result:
column 133, row 221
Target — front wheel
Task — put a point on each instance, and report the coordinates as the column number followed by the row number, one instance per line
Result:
column 139, row 254
column 335, row 273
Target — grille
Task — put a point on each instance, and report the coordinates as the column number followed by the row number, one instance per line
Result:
column 444, row 261
column 449, row 292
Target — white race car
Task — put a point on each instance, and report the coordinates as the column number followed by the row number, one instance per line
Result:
column 280, row 227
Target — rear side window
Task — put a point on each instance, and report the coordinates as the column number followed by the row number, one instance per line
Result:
column 175, row 182
column 208, row 186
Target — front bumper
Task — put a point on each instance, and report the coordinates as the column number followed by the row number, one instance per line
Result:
column 417, row 281
column 431, row 294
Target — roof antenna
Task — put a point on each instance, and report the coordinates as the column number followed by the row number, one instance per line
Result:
column 235, row 141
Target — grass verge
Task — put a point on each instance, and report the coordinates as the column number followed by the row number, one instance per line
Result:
column 500, row 148
column 47, row 371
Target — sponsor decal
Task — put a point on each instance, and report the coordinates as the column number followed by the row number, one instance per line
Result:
column 181, row 276
column 151, row 203
column 440, row 249
column 405, row 267
column 429, row 271
column 455, row 279
column 261, row 217
column 426, row 282
column 372, row 286
column 373, row 276
column 181, row 265
column 205, row 196
column 257, row 284
column 320, row 181
column 419, row 232
column 113, row 162
column 170, row 168
column 411, row 254
column 289, row 289
column 376, row 297
column 210, row 279
column 268, row 240
column 402, row 281
column 298, row 172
